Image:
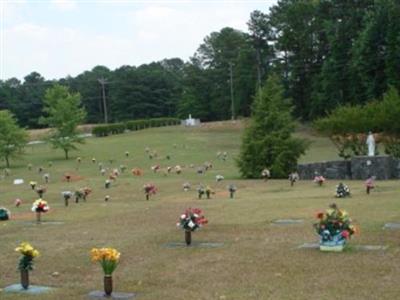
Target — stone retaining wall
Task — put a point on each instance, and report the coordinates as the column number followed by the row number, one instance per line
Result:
column 359, row 167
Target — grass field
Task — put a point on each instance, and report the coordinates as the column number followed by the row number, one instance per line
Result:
column 258, row 260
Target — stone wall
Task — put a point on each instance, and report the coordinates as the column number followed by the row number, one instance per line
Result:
column 359, row 167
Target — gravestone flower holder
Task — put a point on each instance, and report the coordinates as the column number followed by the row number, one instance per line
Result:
column 209, row 191
column 33, row 184
column 40, row 206
column 334, row 228
column 293, row 177
column 108, row 259
column 190, row 221
column 232, row 189
column 66, row 195
column 26, row 262
column 107, row 184
column 149, row 189
column 319, row 180
column 369, row 185
column 200, row 192
column 40, row 190
column 342, row 191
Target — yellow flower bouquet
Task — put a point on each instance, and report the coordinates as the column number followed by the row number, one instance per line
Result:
column 28, row 254
column 108, row 258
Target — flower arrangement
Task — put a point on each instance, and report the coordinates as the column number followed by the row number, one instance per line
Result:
column 82, row 194
column 18, row 202
column 107, row 184
column 232, row 189
column 109, row 260
column 186, row 186
column 342, row 190
column 369, row 184
column 66, row 195
column 137, row 172
column 40, row 190
column 4, row 214
column 209, row 191
column 40, row 206
column 265, row 173
column 319, row 179
column 33, row 184
column 28, row 254
column 155, row 168
column 191, row 220
column 219, row 178
column 178, row 169
column 293, row 177
column 46, row 177
column 149, row 189
column 26, row 262
column 334, row 228
column 107, row 257
column 201, row 191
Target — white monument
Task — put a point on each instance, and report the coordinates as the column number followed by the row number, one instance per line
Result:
column 371, row 144
column 191, row 122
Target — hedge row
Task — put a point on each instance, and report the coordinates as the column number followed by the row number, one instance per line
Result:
column 117, row 128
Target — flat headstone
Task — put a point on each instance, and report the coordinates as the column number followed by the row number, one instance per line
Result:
column 193, row 245
column 309, row 246
column 392, row 226
column 371, row 247
column 287, row 221
column 32, row 290
column 114, row 295
column 43, row 223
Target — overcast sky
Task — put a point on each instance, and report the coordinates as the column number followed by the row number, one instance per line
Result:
column 66, row 37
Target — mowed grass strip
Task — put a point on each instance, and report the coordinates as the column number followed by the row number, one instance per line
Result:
column 258, row 259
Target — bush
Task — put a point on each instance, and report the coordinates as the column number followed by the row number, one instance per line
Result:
column 117, row 128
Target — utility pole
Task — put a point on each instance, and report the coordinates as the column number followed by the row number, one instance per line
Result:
column 103, row 82
column 232, row 102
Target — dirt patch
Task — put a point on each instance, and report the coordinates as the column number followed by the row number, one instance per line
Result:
column 73, row 177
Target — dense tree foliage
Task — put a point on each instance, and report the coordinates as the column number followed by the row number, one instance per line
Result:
column 63, row 114
column 12, row 138
column 327, row 53
column 267, row 141
column 347, row 125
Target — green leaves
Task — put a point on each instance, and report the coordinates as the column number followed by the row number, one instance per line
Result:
column 267, row 142
column 63, row 115
column 12, row 138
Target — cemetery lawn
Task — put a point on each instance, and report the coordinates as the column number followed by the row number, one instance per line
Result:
column 258, row 259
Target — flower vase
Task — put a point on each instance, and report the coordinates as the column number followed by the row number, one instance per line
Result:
column 188, row 237
column 25, row 279
column 38, row 216
column 108, row 285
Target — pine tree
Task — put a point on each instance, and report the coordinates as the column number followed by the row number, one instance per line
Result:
column 267, row 141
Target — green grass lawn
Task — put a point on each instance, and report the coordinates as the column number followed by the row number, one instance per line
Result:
column 258, row 260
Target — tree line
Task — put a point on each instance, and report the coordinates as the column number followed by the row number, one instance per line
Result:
column 326, row 54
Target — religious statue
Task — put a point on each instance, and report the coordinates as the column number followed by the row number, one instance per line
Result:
column 371, row 144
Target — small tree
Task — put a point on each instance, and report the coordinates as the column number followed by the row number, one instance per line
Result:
column 64, row 114
column 12, row 138
column 267, row 141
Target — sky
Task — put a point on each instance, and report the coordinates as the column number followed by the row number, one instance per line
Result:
column 58, row 38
